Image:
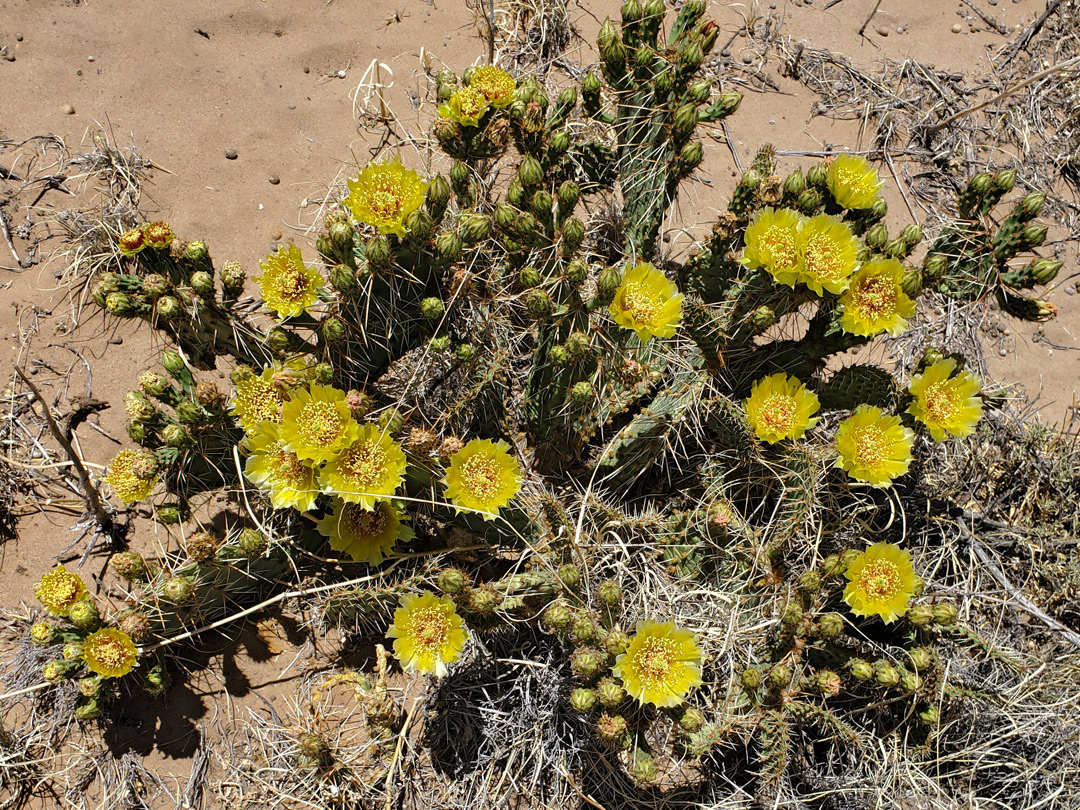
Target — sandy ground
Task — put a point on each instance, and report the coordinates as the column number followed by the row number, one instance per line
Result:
column 273, row 84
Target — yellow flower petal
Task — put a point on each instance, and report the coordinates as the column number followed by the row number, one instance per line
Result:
column 647, row 303
column 368, row 470
column 275, row 469
column 873, row 446
column 496, row 84
column 482, row 477
column 110, row 653
column 830, row 254
column 59, row 589
column 365, row 534
column 772, row 243
column 384, row 195
column 780, row 407
column 428, row 634
column 288, row 285
column 132, row 475
column 661, row 664
column 258, row 398
column 467, row 106
column 875, row 300
column 852, row 181
column 317, row 424
column 881, row 582
column 946, row 404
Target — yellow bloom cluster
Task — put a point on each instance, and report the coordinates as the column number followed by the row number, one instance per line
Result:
column 881, row 582
column 482, row 477
column 661, row 664
column 428, row 634
column 820, row 252
column 288, row 285
column 946, row 402
column 384, row 195
column 647, row 303
column 132, row 474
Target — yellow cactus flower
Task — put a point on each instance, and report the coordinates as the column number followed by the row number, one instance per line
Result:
column 661, row 664
column 428, row 634
column 59, row 589
column 830, row 254
column 258, row 398
column 366, row 471
column 875, row 301
column 467, row 106
column 132, row 475
column 276, row 469
column 365, row 534
column 131, row 242
column 482, row 476
column 852, row 181
column 288, row 285
column 317, row 424
column 110, row 653
column 158, row 235
column 873, row 446
column 385, row 194
column 881, row 582
column 496, row 84
column 946, row 404
column 773, row 243
column 647, row 303
column 780, row 407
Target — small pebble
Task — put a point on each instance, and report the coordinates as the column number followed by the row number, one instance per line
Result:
column 230, row 154
column 341, row 74
column 992, row 2
column 1070, row 291
column 307, row 70
column 9, row 57
column 89, row 59
column 18, row 37
column 67, row 109
column 957, row 28
column 882, row 31
column 275, row 235
column 274, row 179
column 1003, row 353
column 291, row 107
column 78, row 73
column 116, row 341
column 747, row 57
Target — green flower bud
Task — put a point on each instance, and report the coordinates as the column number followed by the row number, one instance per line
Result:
column 167, row 308
column 1004, row 181
column 555, row 618
column 779, row 676
column 763, row 317
column 911, row 235
column 573, row 234
column 582, row 393
column 809, row 582
column 912, row 281
column 440, row 344
column 792, row 615
column 610, row 693
column 178, row 590
column 569, row 194
column 686, row 119
column 84, row 615
column 343, row 278
column 1034, row 235
column 578, row 344
column 176, row 436
column 333, row 329
column 690, row 57
column 251, row 541
column 691, row 156
column 438, row 194
column 172, row 362
column 795, row 184
column 391, row 420
column 530, row 171
column 188, row 413
column 930, row 716
column 585, row 663
column 582, row 700
column 751, row 678
column 1043, row 271
column 154, row 286
column 465, row 352
column 559, row 143
column 923, row 659
column 118, row 303
column 886, row 674
column 377, row 250
column 483, row 600
column 590, row 86
column 505, row 216
column 137, row 432
column 459, row 174
column 570, row 575
column 449, row 245
column 934, row 267
column 830, row 626
column 541, row 203
column 611, row 729
column 945, row 614
column 432, row 308
column 128, row 565
column 861, row 670
column 817, row 176
column 515, row 195
column 699, row 92
column 809, row 201
column 609, row 593
column 877, row 237
column 87, row 709
column 920, row 615
column 827, row 683
column 169, row 514
column 538, row 303
column 203, row 283
column 453, row 581
column 910, row 681
column 609, row 280
column 616, row 643
column 341, row 235
column 583, row 630
column 157, row 680
column 832, row 566
column 196, row 251
column 981, row 183
column 90, row 686
column 558, row 355
column 611, row 49
column 1030, row 207
column 577, row 272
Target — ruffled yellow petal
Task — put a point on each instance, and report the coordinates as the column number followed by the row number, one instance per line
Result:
column 366, row 535
column 288, row 285
column 661, row 664
column 110, row 653
column 875, row 300
column 852, row 181
column 496, row 84
column 873, row 447
column 59, row 589
column 945, row 403
column 132, row 475
column 276, row 470
column 482, row 477
column 881, row 582
column 780, row 407
column 258, row 398
column 384, row 195
column 368, row 470
column 317, row 424
column 428, row 634
column 830, row 254
column 467, row 106
column 773, row 243
column 648, row 303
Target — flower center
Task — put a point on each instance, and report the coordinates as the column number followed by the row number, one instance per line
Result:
column 781, row 244
column 261, row 400
column 880, row 579
column 320, row 424
column 939, row 401
column 494, row 83
column 482, row 476
column 871, row 444
column 778, row 413
column 157, row 232
column 655, row 660
column 643, row 302
column 364, row 463
column 364, row 522
column 875, row 297
column 292, row 282
column 288, row 469
column 472, row 103
column 385, row 202
column 132, row 240
column 823, row 257
column 110, row 652
column 430, row 629
column 852, row 179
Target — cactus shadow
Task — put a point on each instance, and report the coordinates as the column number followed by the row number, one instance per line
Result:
column 166, row 724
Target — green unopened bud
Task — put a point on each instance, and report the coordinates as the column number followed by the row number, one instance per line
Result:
column 610, row 693
column 84, row 615
column 930, row 716
column 582, row 700
column 616, row 643
column 586, row 662
column 559, row 143
column 817, row 176
column 90, row 686
column 154, row 286
column 831, row 566
column 577, row 272
column 529, row 276
column 87, row 708
column 196, row 251
column 751, row 678
column 449, row 245
column 177, row 590
column 569, row 194
column 922, row 659
column 1004, row 181
column 1043, row 271
column 911, row 235
column 945, row 614
column 440, row 344
column 157, row 680
column 483, row 600
column 453, row 581
column 809, row 201
column 573, row 234
column 611, row 730
column 465, row 352
column 920, row 615
column 886, row 674
column 43, row 633
column 611, row 49
column 690, row 156
column 809, row 582
column 1030, row 207
column 341, row 235
column 188, row 413
column 530, row 171
column 251, row 541
column 827, row 683
column 202, row 283
column 910, row 681
column 583, row 630
column 137, row 432
column 578, row 344
column 555, row 618
column 475, row 228
column 343, row 278
column 779, row 676
column 609, row 593
column 333, row 329
column 763, row 317
column 558, row 355
column 934, row 267
column 377, row 250
column 792, row 615
column 582, row 393
column 699, row 92
column 686, row 119
column 176, row 436
column 912, row 281
column 690, row 57
column 169, row 514
column 541, row 203
column 432, row 308
column 570, row 575
column 538, row 303
column 391, row 420
column 861, row 670
column 877, row 237
column 119, row 303
column 981, row 183
column 438, row 193
column 830, row 626
column 1034, row 235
